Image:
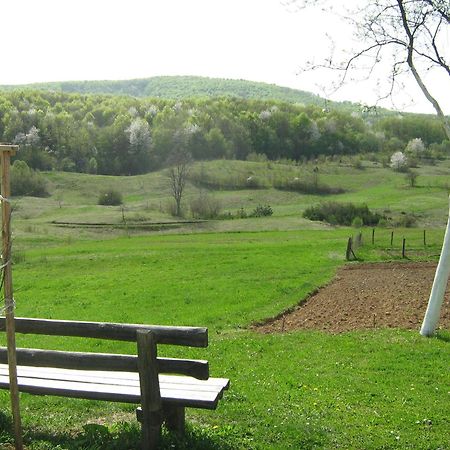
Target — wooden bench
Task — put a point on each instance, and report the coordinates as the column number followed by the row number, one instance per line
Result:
column 163, row 387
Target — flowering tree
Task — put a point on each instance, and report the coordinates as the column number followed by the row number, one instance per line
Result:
column 399, row 161
column 415, row 147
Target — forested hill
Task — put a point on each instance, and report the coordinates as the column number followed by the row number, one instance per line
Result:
column 124, row 135
column 181, row 87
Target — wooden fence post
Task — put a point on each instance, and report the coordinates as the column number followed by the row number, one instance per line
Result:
column 349, row 252
column 349, row 249
column 392, row 238
column 5, row 154
column 424, row 238
column 373, row 236
column 403, row 248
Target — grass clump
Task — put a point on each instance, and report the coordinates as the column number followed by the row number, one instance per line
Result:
column 342, row 214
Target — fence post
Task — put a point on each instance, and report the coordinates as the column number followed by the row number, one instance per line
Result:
column 392, row 238
column 424, row 238
column 349, row 249
column 403, row 248
column 373, row 236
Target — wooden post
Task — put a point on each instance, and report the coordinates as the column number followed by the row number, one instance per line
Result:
column 424, row 238
column 150, row 393
column 392, row 238
column 5, row 155
column 403, row 248
column 373, row 236
column 348, row 252
column 175, row 418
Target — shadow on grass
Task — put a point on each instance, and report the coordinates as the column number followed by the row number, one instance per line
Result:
column 443, row 335
column 120, row 436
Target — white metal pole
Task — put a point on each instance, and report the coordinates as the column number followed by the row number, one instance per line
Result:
column 432, row 314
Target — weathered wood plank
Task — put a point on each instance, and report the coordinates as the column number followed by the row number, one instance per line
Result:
column 104, row 361
column 188, row 336
column 119, row 378
column 113, row 393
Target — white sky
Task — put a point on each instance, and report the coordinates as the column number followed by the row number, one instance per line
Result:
column 258, row 40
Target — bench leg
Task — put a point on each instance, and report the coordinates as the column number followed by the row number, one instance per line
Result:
column 174, row 417
column 150, row 432
column 150, row 429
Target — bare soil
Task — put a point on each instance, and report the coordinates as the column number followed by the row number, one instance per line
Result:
column 366, row 296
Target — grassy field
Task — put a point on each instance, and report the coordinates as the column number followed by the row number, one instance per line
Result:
column 74, row 198
column 381, row 389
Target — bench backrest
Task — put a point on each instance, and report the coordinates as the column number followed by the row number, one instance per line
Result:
column 185, row 336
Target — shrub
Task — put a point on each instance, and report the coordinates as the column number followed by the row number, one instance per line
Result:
column 241, row 213
column 26, row 181
column 342, row 213
column 405, row 220
column 110, row 197
column 261, row 211
column 357, row 222
column 205, row 206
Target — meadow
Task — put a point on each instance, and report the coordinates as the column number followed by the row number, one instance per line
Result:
column 384, row 388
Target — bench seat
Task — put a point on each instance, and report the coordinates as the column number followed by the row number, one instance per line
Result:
column 115, row 386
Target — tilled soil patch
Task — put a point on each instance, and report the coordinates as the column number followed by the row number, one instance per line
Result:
column 366, row 296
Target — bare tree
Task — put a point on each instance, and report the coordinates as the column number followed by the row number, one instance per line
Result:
column 179, row 162
column 411, row 34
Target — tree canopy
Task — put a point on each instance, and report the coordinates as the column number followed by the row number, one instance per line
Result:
column 122, row 135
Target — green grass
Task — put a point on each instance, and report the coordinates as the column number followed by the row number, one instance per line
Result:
column 383, row 389
column 380, row 389
column 146, row 198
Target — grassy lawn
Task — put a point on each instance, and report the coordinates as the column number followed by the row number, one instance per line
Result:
column 380, row 389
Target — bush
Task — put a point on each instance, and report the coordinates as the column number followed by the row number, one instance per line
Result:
column 26, row 181
column 405, row 220
column 261, row 211
column 342, row 213
column 205, row 206
column 357, row 222
column 111, row 197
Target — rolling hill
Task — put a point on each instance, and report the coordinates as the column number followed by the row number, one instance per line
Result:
column 180, row 87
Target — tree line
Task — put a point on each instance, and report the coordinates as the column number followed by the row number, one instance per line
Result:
column 122, row 135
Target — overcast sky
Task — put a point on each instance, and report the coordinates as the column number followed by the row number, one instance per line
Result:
column 258, row 40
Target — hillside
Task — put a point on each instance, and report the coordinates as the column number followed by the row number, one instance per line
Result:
column 180, row 87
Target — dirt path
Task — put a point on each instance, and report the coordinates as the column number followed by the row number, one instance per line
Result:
column 367, row 296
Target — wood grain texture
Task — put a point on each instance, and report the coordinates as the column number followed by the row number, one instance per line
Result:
column 185, row 336
column 104, row 361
